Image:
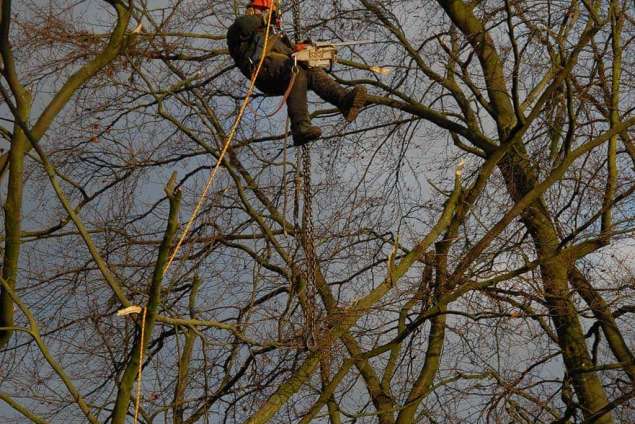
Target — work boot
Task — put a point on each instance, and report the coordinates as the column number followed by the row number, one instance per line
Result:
column 348, row 102
column 353, row 102
column 304, row 132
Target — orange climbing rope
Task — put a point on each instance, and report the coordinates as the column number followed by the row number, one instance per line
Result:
column 230, row 137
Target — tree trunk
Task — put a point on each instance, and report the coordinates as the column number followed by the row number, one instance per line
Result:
column 588, row 387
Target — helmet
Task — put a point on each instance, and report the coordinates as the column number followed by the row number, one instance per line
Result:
column 264, row 4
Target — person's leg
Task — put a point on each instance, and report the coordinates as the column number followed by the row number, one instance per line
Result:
column 298, row 111
column 274, row 79
column 349, row 102
column 325, row 86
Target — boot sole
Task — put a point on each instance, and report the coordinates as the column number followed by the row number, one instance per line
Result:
column 358, row 103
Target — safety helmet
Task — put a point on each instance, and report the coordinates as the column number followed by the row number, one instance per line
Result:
column 263, row 4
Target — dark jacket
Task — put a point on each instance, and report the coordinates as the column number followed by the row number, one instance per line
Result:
column 246, row 38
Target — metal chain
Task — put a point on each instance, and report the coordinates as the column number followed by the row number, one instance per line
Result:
column 306, row 233
column 297, row 21
column 307, row 237
column 297, row 181
column 307, row 213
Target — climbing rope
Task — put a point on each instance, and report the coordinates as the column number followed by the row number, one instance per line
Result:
column 230, row 137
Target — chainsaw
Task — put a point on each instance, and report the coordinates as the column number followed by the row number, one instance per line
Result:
column 320, row 54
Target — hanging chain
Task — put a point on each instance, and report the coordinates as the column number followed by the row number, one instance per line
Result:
column 297, row 181
column 297, row 21
column 307, row 212
column 308, row 239
column 306, row 233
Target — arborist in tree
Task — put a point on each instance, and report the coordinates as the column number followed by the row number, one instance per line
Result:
column 245, row 39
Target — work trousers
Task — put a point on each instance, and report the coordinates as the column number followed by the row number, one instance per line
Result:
column 275, row 77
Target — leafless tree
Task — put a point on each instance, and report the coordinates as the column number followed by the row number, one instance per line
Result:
column 463, row 252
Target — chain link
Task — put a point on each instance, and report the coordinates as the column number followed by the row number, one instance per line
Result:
column 307, row 213
column 309, row 252
column 306, row 232
column 297, row 21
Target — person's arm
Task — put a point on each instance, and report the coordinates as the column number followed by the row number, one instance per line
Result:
column 247, row 25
